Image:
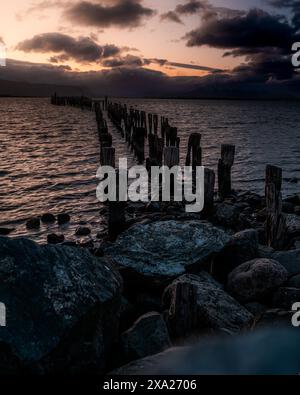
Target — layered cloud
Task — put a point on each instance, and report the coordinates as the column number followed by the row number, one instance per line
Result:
column 82, row 49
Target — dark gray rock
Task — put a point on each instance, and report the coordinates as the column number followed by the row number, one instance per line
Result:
column 82, row 231
column 263, row 352
column 227, row 214
column 242, row 247
column 297, row 210
column 62, row 303
column 294, row 199
column 148, row 336
column 63, row 218
column 48, row 218
column 255, row 280
column 33, row 223
column 290, row 260
column 161, row 251
column 55, row 239
column 265, row 252
column 285, row 297
column 196, row 304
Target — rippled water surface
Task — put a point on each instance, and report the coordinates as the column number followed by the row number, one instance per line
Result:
column 49, row 155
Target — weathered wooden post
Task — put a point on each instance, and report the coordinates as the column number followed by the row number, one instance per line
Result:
column 150, row 123
column 170, row 159
column 275, row 226
column 194, row 153
column 224, row 170
column 108, row 156
column 155, row 123
column 209, row 190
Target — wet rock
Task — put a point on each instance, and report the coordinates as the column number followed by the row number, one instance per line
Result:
column 63, row 218
column 148, row 336
column 290, row 260
column 6, row 231
column 161, row 251
column 194, row 304
column 285, row 297
column 264, row 352
column 297, row 210
column 227, row 214
column 82, row 231
column 252, row 199
column 55, row 239
column 63, row 306
column 48, row 218
column 33, row 223
column 242, row 247
column 255, row 280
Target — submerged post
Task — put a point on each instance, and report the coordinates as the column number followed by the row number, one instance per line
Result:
column 224, row 170
column 275, row 226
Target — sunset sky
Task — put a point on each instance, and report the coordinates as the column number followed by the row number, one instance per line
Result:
column 176, row 38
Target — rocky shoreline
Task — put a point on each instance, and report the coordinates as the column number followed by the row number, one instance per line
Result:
column 170, row 279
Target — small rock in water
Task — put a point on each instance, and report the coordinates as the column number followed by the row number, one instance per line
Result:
column 82, row 231
column 63, row 219
column 33, row 223
column 6, row 231
column 148, row 336
column 255, row 280
column 48, row 218
column 294, row 282
column 55, row 239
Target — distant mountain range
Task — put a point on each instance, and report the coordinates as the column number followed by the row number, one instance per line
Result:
column 24, row 89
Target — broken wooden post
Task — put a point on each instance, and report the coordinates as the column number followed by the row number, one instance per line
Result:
column 224, row 170
column 150, row 123
column 108, row 156
column 209, row 190
column 155, row 123
column 194, row 153
column 275, row 226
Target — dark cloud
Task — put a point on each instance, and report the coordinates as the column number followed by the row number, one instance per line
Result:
column 120, row 13
column 126, row 61
column 191, row 7
column 293, row 5
column 256, row 29
column 82, row 49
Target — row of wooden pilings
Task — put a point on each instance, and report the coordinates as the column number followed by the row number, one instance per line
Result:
column 137, row 128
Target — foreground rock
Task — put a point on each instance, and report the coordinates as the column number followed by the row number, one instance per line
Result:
column 161, row 251
column 242, row 247
column 63, row 306
column 198, row 304
column 255, row 280
column 149, row 335
column 285, row 297
column 268, row 352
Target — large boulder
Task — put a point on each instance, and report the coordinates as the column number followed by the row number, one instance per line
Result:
column 290, row 260
column 263, row 352
column 241, row 248
column 255, row 280
column 293, row 225
column 158, row 252
column 62, row 306
column 197, row 304
column 148, row 336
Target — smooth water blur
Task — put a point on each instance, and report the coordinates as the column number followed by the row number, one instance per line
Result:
column 49, row 155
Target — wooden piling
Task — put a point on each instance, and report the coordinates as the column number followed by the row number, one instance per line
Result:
column 224, row 170
column 275, row 226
